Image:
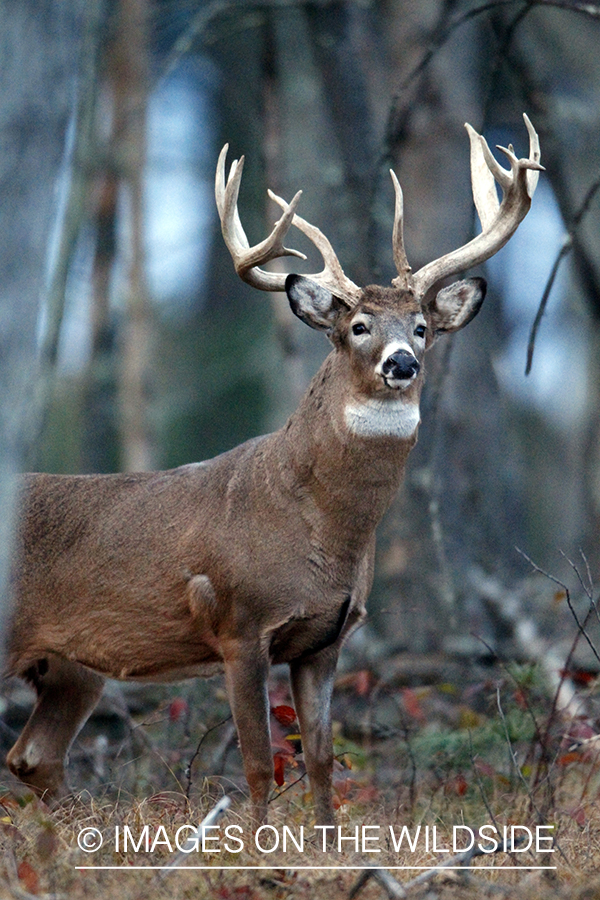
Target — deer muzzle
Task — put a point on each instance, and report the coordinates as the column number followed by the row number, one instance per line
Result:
column 400, row 366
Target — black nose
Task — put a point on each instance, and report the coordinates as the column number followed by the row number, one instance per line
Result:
column 401, row 365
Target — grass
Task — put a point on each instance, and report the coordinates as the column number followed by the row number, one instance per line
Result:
column 488, row 753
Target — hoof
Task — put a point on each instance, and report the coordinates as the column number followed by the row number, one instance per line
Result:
column 47, row 780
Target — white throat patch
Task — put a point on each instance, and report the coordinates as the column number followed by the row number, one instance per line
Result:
column 395, row 417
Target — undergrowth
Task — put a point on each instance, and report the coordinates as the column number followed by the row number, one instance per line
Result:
column 440, row 762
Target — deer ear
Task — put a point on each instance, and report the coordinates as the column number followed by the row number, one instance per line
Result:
column 455, row 305
column 312, row 303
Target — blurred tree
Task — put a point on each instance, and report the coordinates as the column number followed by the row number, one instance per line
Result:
column 39, row 55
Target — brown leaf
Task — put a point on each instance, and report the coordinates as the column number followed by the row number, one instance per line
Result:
column 29, row 877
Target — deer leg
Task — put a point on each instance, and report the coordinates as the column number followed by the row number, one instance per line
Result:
column 246, row 675
column 67, row 693
column 312, row 686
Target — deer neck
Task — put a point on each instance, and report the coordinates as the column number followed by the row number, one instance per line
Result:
column 345, row 453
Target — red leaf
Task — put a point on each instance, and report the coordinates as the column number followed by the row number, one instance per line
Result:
column 567, row 758
column 285, row 715
column 28, row 876
column 457, row 785
column 362, row 682
column 583, row 676
column 178, row 709
column 279, row 769
column 461, row 785
column 412, row 704
column 520, row 699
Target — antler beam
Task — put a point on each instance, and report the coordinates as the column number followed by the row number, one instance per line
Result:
column 247, row 259
column 499, row 221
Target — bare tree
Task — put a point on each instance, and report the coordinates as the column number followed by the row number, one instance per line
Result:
column 39, row 54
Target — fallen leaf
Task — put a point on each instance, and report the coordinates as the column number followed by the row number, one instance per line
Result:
column 28, row 876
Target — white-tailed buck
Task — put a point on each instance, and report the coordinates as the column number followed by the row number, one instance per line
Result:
column 265, row 553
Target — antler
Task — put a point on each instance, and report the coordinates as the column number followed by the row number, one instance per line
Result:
column 247, row 259
column 499, row 221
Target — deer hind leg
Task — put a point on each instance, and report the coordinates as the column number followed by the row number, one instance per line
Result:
column 67, row 693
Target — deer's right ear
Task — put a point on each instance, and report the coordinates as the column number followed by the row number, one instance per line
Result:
column 312, row 303
column 455, row 305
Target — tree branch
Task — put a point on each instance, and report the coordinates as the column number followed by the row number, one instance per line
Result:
column 567, row 246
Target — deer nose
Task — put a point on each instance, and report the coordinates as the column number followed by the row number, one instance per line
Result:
column 401, row 366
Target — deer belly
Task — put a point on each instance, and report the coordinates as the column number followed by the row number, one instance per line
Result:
column 121, row 636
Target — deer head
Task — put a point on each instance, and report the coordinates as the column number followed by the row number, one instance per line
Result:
column 359, row 318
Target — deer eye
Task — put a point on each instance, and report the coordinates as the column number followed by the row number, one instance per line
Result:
column 420, row 331
column 360, row 328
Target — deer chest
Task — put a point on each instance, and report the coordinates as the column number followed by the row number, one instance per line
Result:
column 306, row 635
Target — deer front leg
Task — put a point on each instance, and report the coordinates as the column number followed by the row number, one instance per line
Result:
column 312, row 686
column 246, row 675
column 67, row 693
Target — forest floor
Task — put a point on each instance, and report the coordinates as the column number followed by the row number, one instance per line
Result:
column 433, row 770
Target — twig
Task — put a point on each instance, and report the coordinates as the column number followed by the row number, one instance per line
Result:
column 392, row 887
column 480, row 785
column 277, row 794
column 208, row 13
column 588, row 589
column 188, row 771
column 444, row 35
column 520, row 775
column 566, row 247
column 513, row 755
column 207, row 822
column 460, row 859
column 580, row 625
column 539, row 737
column 565, row 668
column 400, row 890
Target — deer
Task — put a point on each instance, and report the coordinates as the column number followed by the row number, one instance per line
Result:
column 264, row 554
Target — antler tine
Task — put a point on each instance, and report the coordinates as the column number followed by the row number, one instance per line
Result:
column 332, row 276
column 499, row 221
column 533, row 173
column 247, row 259
column 403, row 281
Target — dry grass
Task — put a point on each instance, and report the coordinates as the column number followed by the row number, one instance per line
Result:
column 41, row 855
column 451, row 756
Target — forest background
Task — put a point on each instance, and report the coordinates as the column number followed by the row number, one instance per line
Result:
column 127, row 341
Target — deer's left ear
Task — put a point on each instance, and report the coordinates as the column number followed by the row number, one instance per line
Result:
column 455, row 305
column 312, row 303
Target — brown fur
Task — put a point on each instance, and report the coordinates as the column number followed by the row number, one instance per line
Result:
column 262, row 555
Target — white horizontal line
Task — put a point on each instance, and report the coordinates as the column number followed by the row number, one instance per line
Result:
column 128, row 868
